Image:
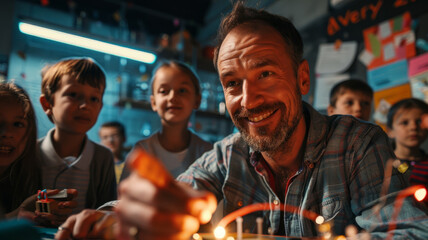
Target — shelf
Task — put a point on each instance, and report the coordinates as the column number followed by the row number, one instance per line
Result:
column 129, row 102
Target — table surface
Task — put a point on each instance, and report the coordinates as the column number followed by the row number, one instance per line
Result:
column 49, row 233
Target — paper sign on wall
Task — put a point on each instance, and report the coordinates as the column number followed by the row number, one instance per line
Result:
column 332, row 59
column 388, row 76
column 323, row 86
column 418, row 75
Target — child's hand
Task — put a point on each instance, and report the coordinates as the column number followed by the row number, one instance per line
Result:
column 60, row 210
column 26, row 209
column 88, row 224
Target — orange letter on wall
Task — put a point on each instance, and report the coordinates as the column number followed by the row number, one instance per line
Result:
column 333, row 27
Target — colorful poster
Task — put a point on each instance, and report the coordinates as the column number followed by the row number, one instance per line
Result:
column 390, row 41
column 418, row 75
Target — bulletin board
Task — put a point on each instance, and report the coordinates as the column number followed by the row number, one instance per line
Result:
column 390, row 41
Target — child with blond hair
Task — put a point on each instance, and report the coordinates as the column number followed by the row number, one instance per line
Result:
column 175, row 94
column 72, row 93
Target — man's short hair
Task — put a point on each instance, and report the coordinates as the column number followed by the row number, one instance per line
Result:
column 353, row 85
column 242, row 14
column 117, row 125
column 85, row 70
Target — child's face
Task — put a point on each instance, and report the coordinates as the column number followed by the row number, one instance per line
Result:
column 352, row 103
column 13, row 129
column 75, row 106
column 111, row 138
column 174, row 96
column 406, row 128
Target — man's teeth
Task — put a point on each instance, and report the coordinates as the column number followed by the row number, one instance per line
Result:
column 5, row 149
column 260, row 117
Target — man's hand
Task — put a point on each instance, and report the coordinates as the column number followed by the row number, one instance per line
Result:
column 155, row 206
column 88, row 224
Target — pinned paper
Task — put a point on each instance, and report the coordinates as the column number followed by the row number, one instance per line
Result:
column 333, row 60
column 381, row 111
column 418, row 74
column 323, row 86
column 375, row 45
column 384, row 30
column 388, row 52
column 404, row 39
column 366, row 57
column 418, row 65
column 398, row 23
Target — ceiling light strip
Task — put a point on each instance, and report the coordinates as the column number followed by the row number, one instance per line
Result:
column 87, row 43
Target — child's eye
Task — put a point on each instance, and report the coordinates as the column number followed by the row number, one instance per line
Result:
column 71, row 94
column 95, row 99
column 163, row 91
column 404, row 123
column 349, row 103
column 19, row 124
column 182, row 90
column 365, row 104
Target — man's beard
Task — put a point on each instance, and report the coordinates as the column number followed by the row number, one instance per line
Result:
column 265, row 141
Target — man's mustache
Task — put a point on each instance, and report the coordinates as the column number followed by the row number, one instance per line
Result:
column 245, row 113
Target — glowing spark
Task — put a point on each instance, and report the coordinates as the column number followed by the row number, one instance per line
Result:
column 398, row 204
column 219, row 232
column 323, row 228
column 205, row 216
column 196, row 236
column 319, row 220
column 327, row 235
column 420, row 194
column 341, row 237
column 351, row 231
column 264, row 207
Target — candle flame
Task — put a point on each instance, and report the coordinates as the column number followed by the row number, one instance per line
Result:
column 219, row 232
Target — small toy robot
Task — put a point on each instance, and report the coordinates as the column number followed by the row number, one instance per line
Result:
column 45, row 204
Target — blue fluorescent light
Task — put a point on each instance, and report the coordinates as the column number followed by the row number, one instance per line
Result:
column 87, row 43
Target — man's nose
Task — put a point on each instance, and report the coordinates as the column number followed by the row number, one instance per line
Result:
column 251, row 95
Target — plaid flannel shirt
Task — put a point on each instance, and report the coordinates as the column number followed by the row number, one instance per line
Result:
column 341, row 179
